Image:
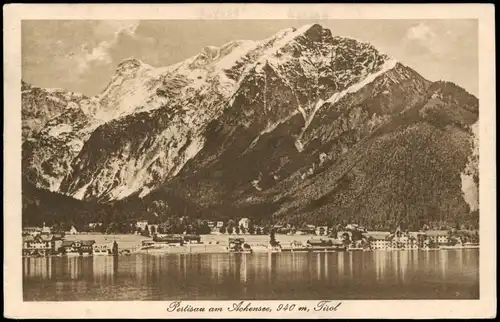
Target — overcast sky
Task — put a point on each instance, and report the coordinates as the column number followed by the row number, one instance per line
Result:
column 82, row 55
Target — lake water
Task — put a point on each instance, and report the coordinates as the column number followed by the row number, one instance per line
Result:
column 446, row 274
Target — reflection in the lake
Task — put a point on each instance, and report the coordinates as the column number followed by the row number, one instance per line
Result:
column 342, row 275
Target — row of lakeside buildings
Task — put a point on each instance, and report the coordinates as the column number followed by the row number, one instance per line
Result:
column 42, row 242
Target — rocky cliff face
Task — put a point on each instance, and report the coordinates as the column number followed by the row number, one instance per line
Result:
column 49, row 152
column 40, row 105
column 300, row 124
column 55, row 127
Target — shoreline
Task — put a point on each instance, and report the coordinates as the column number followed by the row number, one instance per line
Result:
column 181, row 250
column 218, row 244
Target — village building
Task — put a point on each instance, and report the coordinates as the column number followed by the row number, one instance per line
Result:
column 380, row 243
column 419, row 239
column 398, row 239
column 214, row 227
column 94, row 224
column 41, row 245
column 440, row 237
column 153, row 228
column 45, row 229
column 32, row 231
column 73, row 231
column 34, row 245
column 102, row 249
column 142, row 224
column 71, row 247
column 322, row 230
column 77, row 247
column 30, row 246
column 399, row 242
column 87, row 246
column 378, row 239
column 403, row 240
column 192, row 239
column 67, row 245
column 244, row 222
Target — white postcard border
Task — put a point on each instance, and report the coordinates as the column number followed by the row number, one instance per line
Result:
column 14, row 13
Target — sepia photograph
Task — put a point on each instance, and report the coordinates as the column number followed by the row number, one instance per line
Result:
column 316, row 159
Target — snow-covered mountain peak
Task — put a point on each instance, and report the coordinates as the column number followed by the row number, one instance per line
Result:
column 216, row 58
column 129, row 65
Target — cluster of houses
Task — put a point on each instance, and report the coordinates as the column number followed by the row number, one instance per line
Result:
column 244, row 225
column 41, row 241
column 215, row 226
column 353, row 235
column 399, row 239
column 405, row 240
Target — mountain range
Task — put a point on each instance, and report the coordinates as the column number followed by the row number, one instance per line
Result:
column 303, row 126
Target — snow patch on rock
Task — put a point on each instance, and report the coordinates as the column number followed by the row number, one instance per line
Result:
column 60, row 129
column 388, row 65
column 255, row 184
column 80, row 193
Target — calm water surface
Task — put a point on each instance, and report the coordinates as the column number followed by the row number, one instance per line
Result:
column 451, row 274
